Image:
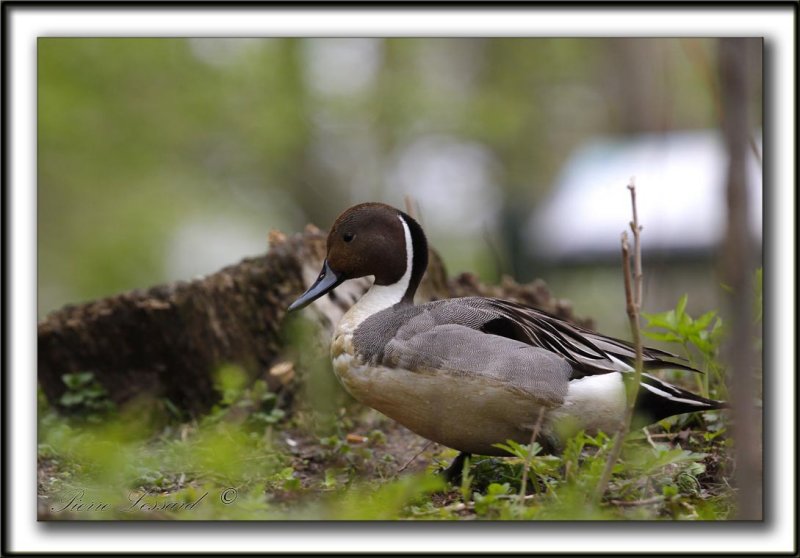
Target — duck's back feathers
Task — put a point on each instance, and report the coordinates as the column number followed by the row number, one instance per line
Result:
column 479, row 335
column 589, row 352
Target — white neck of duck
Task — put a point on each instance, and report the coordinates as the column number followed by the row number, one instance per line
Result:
column 380, row 297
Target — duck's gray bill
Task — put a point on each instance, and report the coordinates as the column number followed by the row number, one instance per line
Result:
column 327, row 281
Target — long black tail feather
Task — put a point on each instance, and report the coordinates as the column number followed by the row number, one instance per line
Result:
column 658, row 400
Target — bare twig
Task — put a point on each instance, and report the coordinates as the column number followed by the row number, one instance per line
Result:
column 671, row 435
column 636, row 229
column 649, row 437
column 633, row 300
column 631, row 503
column 534, row 435
column 407, row 463
column 630, row 302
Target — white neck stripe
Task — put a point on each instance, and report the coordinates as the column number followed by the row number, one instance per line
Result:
column 381, row 297
column 406, row 278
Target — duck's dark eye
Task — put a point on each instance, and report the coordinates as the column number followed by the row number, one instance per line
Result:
column 348, row 236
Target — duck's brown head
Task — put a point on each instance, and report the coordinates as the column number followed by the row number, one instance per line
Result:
column 372, row 239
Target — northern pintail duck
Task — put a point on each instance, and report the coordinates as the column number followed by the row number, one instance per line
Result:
column 473, row 372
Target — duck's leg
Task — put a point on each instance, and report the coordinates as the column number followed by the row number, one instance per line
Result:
column 453, row 473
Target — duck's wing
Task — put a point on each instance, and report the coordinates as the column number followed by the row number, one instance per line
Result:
column 417, row 330
column 588, row 352
column 460, row 353
column 489, row 344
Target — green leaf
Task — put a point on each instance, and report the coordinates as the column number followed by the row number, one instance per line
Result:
column 70, row 381
column 681, row 307
column 703, row 344
column 685, row 324
column 519, row 450
column 705, row 320
column 670, row 337
column 665, row 320
column 71, row 398
column 510, row 446
column 94, row 392
column 651, row 462
column 727, row 288
column 230, row 380
column 292, row 484
column 76, row 379
column 330, row 481
column 84, row 377
column 275, row 416
column 496, row 489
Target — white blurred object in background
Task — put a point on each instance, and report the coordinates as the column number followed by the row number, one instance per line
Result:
column 680, row 185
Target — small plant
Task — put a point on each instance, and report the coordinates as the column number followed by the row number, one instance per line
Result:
column 355, row 455
column 264, row 404
column 285, row 479
column 494, row 501
column 230, row 381
column 542, row 469
column 255, row 406
column 700, row 335
column 85, row 397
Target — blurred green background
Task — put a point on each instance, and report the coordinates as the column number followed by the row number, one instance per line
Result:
column 164, row 159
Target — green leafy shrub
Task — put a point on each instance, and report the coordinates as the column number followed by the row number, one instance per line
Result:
column 85, row 397
column 700, row 340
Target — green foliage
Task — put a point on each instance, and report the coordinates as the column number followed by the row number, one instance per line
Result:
column 121, row 460
column 697, row 336
column 386, row 501
column 493, row 501
column 353, row 459
column 264, row 404
column 230, row 381
column 682, row 328
column 256, row 404
column 285, row 479
column 249, row 459
column 228, row 467
column 85, row 397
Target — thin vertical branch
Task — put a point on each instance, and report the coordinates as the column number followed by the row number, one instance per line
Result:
column 636, row 229
column 407, row 463
column 534, row 435
column 630, row 300
column 633, row 305
column 739, row 263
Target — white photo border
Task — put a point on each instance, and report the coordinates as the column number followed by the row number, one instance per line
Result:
column 25, row 22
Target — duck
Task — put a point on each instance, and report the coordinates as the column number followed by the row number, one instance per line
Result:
column 472, row 373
